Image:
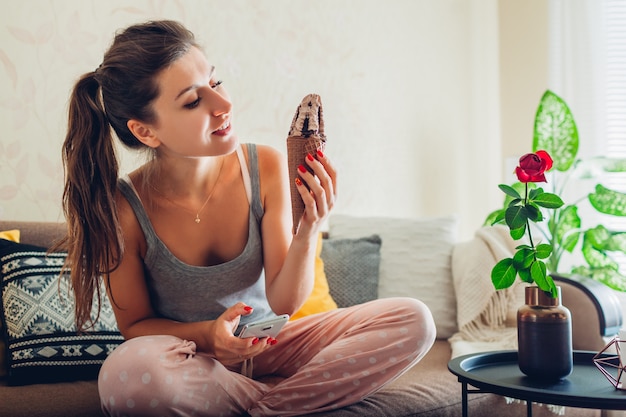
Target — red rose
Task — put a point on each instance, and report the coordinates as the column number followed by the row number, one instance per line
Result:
column 532, row 167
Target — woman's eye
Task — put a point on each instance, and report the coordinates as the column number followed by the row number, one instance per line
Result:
column 217, row 84
column 193, row 104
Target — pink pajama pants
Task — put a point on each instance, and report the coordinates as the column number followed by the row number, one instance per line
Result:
column 327, row 360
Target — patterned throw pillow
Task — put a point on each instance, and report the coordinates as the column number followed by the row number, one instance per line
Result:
column 352, row 267
column 14, row 236
column 38, row 320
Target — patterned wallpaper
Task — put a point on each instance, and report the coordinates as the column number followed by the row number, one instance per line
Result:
column 410, row 91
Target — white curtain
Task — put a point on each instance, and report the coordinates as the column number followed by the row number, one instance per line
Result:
column 576, row 65
column 587, row 68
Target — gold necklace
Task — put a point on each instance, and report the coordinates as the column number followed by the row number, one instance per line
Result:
column 197, row 219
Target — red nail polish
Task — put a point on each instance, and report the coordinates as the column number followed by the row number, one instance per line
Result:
column 298, row 182
column 255, row 341
column 248, row 308
column 274, row 341
column 310, row 157
column 320, row 153
column 301, row 168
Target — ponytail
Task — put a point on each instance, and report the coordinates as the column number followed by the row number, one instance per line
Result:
column 93, row 240
column 122, row 88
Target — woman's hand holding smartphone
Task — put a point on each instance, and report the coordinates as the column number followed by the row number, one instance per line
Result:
column 266, row 328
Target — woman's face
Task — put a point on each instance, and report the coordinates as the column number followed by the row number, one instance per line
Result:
column 193, row 110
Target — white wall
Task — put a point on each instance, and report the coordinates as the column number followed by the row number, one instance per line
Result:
column 410, row 91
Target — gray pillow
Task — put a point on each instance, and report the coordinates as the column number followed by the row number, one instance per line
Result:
column 351, row 267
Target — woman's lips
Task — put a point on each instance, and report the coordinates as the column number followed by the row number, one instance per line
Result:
column 222, row 131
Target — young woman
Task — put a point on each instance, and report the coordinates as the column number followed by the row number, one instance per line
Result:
column 197, row 242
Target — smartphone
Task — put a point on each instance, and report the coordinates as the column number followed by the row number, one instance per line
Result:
column 266, row 328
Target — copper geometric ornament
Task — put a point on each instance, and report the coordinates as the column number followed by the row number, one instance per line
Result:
column 616, row 363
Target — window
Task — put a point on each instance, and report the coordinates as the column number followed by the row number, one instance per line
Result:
column 588, row 69
column 615, row 98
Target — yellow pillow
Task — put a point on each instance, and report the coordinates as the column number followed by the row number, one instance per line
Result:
column 320, row 299
column 13, row 236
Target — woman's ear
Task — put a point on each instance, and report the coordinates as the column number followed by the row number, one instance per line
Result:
column 143, row 133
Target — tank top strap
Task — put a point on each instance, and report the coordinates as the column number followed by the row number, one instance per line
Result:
column 245, row 173
column 128, row 190
column 251, row 179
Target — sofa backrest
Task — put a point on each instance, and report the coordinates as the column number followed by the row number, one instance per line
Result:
column 43, row 234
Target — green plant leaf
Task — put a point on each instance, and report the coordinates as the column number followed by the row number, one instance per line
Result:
column 533, row 213
column 508, row 190
column 555, row 131
column 494, row 217
column 543, row 251
column 523, row 258
column 548, row 200
column 597, row 236
column 516, row 217
column 617, row 242
column 607, row 276
column 525, row 276
column 532, row 194
column 503, row 274
column 538, row 272
column 611, row 278
column 600, row 238
column 608, row 201
column 517, row 234
column 596, row 258
column 613, row 164
column 565, row 231
column 517, row 186
column 520, row 187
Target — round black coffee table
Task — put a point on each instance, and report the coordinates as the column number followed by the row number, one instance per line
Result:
column 498, row 373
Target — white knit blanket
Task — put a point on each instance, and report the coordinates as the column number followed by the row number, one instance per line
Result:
column 487, row 317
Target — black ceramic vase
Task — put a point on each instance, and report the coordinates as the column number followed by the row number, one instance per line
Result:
column 544, row 336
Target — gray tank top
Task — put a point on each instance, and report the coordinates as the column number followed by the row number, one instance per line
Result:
column 187, row 293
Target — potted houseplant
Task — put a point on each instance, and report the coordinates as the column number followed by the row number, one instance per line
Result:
column 562, row 228
column 544, row 325
column 544, row 328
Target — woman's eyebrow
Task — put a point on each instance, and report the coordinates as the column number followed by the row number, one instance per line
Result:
column 191, row 87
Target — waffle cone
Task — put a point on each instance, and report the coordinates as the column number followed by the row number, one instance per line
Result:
column 306, row 136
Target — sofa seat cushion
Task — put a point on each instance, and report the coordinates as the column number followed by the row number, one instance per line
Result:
column 426, row 390
column 429, row 389
column 64, row 399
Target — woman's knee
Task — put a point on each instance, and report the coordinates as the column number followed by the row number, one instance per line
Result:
column 139, row 361
column 150, row 374
column 421, row 319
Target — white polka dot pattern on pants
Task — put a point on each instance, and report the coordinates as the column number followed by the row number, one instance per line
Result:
column 163, row 375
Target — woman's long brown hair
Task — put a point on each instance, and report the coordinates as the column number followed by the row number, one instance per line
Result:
column 122, row 88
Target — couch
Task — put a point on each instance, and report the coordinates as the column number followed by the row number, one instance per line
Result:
column 388, row 257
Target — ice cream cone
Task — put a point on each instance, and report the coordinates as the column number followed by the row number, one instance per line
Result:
column 306, row 136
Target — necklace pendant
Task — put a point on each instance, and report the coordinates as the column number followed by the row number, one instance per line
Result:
column 197, row 220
